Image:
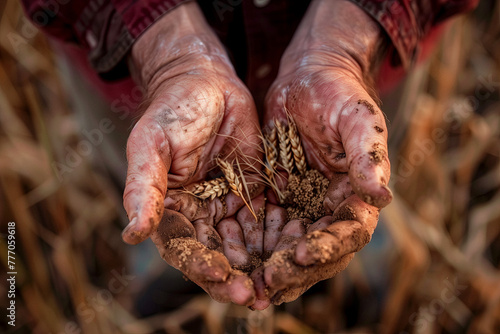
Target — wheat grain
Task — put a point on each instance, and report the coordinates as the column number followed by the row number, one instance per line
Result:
column 231, row 177
column 285, row 151
column 234, row 182
column 297, row 150
column 211, row 189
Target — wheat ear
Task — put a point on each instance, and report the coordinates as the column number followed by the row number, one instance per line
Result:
column 284, row 147
column 211, row 189
column 270, row 146
column 297, row 150
column 233, row 181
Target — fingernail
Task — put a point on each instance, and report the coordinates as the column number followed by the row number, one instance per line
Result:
column 276, row 298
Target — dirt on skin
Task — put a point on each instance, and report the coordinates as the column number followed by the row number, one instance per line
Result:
column 255, row 262
column 305, row 194
column 378, row 154
column 256, row 258
column 183, row 248
column 368, row 105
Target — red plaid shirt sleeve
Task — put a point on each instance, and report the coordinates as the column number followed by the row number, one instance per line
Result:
column 407, row 22
column 106, row 29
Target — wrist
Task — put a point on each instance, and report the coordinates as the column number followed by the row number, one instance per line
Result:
column 339, row 33
column 166, row 48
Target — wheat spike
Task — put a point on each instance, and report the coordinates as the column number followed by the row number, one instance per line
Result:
column 211, row 189
column 297, row 150
column 231, row 177
column 285, row 151
column 270, row 143
column 234, row 182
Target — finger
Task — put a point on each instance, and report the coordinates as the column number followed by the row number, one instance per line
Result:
column 276, row 218
column 176, row 243
column 261, row 293
column 237, row 289
column 320, row 224
column 364, row 136
column 208, row 236
column 286, row 280
column 352, row 226
column 211, row 211
column 292, row 232
column 253, row 231
column 193, row 208
column 233, row 243
column 148, row 156
column 338, row 190
column 280, row 180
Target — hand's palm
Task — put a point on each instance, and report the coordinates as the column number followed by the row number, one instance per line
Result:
column 344, row 136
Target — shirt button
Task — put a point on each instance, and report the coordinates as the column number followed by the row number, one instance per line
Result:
column 261, row 3
column 263, row 71
column 91, row 39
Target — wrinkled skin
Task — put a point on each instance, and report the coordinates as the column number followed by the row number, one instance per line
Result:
column 196, row 95
column 322, row 84
column 196, row 110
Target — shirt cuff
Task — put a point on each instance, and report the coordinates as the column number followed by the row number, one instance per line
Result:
column 104, row 29
column 407, row 22
column 109, row 29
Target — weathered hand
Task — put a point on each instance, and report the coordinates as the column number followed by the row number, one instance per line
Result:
column 196, row 110
column 323, row 84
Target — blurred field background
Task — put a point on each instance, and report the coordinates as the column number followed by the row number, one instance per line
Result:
column 433, row 265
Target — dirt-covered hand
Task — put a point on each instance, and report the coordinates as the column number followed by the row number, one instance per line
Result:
column 324, row 84
column 196, row 109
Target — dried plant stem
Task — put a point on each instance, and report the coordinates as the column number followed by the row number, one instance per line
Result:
column 233, row 181
column 245, row 186
column 285, row 151
column 211, row 189
column 297, row 150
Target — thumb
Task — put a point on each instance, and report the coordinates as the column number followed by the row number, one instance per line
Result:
column 364, row 137
column 149, row 159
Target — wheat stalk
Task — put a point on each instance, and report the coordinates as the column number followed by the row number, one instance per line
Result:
column 211, row 189
column 297, row 150
column 284, row 147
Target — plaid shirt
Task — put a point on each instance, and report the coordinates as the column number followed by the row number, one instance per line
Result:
column 106, row 29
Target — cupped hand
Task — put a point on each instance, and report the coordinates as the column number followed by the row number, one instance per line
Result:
column 196, row 110
column 324, row 85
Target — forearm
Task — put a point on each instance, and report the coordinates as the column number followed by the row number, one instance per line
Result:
column 408, row 22
column 178, row 37
column 329, row 24
column 340, row 34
